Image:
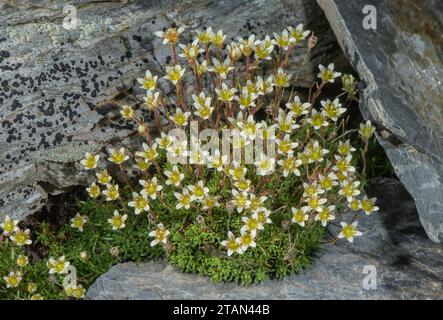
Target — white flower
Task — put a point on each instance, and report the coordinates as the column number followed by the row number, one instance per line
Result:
column 149, row 82
column 190, row 51
column 368, row 205
column 90, row 161
column 298, row 34
column 117, row 221
column 164, row 141
column 257, row 203
column 118, row 156
column 217, row 160
column 300, row 216
column 175, row 177
column 265, row 165
column 265, row 86
column 283, row 40
column 317, row 120
column 79, row 221
column 170, row 36
column 297, row 107
column 139, row 202
column 58, row 266
column 247, row 240
column 199, row 191
column 251, row 224
column 366, row 130
column 328, row 74
column 21, row 238
column 221, row 69
column 112, row 192
column 286, row 122
column 325, row 215
column 311, row 190
column 225, row 94
column 149, row 152
column 13, row 279
column 343, row 164
column 209, row 202
column 184, row 199
column 180, row 118
column 218, row 38
column 9, row 225
column 328, row 181
column 286, row 146
column 315, row 203
column 290, row 165
column 246, row 99
column 103, row 177
column 349, row 231
column 345, row 148
column 232, row 244
column 315, row 152
column 160, row 234
column 282, row 78
column 349, row 189
column 240, row 200
column 152, row 100
column 174, row 73
column 150, row 188
column 332, row 110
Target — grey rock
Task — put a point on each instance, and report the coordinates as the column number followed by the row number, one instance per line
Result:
column 60, row 88
column 401, row 64
column 408, row 265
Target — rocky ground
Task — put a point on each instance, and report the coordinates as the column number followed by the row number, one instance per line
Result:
column 407, row 265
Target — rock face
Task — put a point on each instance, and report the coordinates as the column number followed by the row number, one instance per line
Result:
column 406, row 263
column 61, row 82
column 401, row 63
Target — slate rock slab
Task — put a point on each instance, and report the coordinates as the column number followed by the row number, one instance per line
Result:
column 60, row 89
column 402, row 67
column 408, row 265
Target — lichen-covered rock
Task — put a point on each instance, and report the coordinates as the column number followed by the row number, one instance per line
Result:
column 60, row 88
column 393, row 259
column 401, row 63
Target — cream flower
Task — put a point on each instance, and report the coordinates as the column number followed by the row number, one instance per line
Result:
column 343, row 164
column 366, row 130
column 315, row 152
column 297, row 34
column 286, row 146
column 290, row 165
column 283, row 40
column 297, row 107
column 328, row 74
column 9, row 225
column 233, row 245
column 282, row 78
column 317, row 120
column 247, row 44
column 226, row 94
column 263, row 216
column 240, row 200
column 160, row 234
column 13, row 279
column 325, row 215
column 209, row 202
column 152, row 100
column 221, row 69
column 180, row 118
column 93, row 190
column 257, row 203
column 118, row 156
column 117, row 221
column 127, row 112
column 190, row 51
column 150, row 188
column 199, row 191
column 251, row 224
column 217, row 160
column 58, row 266
column 149, row 82
column 345, row 148
column 247, row 240
column 164, row 141
column 300, row 216
column 286, row 122
column 185, row 199
column 349, row 231
column 246, row 99
column 349, row 189
column 21, row 237
column 22, row 261
column 315, row 203
column 368, row 205
column 218, row 38
column 79, row 221
column 206, row 36
column 149, row 152
column 312, row 189
column 264, row 87
column 139, row 202
column 175, row 177
column 103, row 177
column 243, row 184
column 174, row 73
column 328, row 181
column 112, row 192
column 170, row 35
column 90, row 161
column 332, row 110
column 234, row 51
column 265, row 165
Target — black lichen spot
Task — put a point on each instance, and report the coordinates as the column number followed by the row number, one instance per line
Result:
column 137, row 38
